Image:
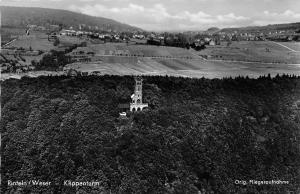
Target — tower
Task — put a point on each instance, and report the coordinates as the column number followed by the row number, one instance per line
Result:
column 137, row 98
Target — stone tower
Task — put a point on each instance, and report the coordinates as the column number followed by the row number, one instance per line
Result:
column 137, row 98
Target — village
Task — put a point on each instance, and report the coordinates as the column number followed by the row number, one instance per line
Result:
column 92, row 45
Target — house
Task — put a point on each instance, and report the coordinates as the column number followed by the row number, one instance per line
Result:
column 68, row 32
column 212, row 43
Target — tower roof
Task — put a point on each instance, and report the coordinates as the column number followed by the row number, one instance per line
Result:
column 138, row 78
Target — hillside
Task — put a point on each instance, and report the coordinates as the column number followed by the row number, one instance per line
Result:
column 213, row 30
column 198, row 134
column 22, row 16
column 289, row 26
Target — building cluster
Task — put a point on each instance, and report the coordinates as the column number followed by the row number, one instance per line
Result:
column 260, row 35
column 105, row 36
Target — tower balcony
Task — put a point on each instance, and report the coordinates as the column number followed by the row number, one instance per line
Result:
column 138, row 106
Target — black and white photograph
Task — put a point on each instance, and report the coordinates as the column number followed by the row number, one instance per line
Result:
column 150, row 97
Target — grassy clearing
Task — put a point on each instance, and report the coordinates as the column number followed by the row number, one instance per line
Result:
column 259, row 51
column 36, row 42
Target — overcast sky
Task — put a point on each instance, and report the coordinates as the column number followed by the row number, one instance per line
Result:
column 160, row 15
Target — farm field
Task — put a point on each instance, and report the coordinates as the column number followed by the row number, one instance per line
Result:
column 251, row 58
column 137, row 50
column 187, row 68
column 257, row 51
column 69, row 41
column 36, row 42
column 8, row 34
column 39, row 41
column 293, row 45
column 153, row 60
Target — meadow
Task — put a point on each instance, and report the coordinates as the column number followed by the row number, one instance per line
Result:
column 293, row 45
column 9, row 33
column 239, row 59
column 192, row 68
column 34, row 41
column 138, row 50
column 255, row 51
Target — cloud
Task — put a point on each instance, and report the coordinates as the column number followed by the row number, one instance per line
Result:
column 23, row 0
column 287, row 16
column 157, row 17
column 288, row 13
column 86, row 0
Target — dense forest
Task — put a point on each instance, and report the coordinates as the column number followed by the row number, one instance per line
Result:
column 198, row 135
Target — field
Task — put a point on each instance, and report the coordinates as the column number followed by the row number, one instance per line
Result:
column 239, row 59
column 256, row 51
column 8, row 34
column 36, row 42
column 66, row 41
column 39, row 41
column 191, row 68
column 138, row 50
column 293, row 45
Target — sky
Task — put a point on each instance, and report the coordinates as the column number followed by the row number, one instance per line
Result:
column 179, row 15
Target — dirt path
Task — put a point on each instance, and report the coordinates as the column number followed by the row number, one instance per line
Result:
column 9, row 43
column 285, row 46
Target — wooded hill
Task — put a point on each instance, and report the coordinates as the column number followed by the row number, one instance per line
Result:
column 272, row 27
column 198, row 135
column 22, row 16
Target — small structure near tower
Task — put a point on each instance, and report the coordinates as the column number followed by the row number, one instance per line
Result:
column 137, row 98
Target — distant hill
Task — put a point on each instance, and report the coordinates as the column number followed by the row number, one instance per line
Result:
column 213, row 30
column 22, row 16
column 289, row 26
